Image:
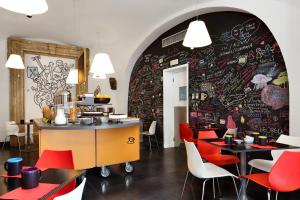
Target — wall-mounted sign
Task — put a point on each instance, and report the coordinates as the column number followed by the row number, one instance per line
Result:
column 182, row 93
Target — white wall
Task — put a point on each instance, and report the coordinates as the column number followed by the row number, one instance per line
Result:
column 4, row 89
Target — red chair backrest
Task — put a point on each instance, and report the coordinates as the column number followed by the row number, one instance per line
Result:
column 204, row 148
column 285, row 174
column 185, row 132
column 55, row 159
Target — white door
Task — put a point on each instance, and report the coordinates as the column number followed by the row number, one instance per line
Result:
column 175, row 82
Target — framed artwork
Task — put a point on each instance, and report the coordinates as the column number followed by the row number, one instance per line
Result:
column 46, row 69
column 182, row 93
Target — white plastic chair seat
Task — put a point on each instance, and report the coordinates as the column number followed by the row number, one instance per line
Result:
column 147, row 133
column 75, row 194
column 214, row 171
column 266, row 165
column 261, row 164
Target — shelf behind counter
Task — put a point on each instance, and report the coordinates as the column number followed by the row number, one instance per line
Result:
column 93, row 145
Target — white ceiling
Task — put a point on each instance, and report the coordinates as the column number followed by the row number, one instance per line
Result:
column 92, row 22
column 117, row 27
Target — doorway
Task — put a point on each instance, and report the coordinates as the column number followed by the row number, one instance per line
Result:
column 175, row 103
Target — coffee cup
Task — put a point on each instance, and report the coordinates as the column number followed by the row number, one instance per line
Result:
column 263, row 140
column 256, row 135
column 30, row 177
column 13, row 166
column 228, row 139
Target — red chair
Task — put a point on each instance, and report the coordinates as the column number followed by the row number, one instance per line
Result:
column 186, row 133
column 57, row 159
column 284, row 175
column 212, row 153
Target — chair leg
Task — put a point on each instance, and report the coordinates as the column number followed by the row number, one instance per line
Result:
column 237, row 169
column 250, row 170
column 276, row 195
column 186, row 177
column 150, row 143
column 214, row 188
column 236, row 190
column 4, row 142
column 269, row 194
column 203, row 187
column 219, row 188
column 156, row 142
column 249, row 173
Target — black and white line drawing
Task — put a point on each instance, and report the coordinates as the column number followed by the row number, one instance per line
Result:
column 47, row 79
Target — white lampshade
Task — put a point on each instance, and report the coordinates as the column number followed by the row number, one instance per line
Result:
column 102, row 64
column 72, row 77
column 99, row 76
column 196, row 35
column 14, row 61
column 27, row 7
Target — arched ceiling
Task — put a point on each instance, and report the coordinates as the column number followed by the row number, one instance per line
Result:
column 86, row 23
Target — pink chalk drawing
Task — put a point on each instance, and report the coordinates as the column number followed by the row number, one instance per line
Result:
column 230, row 122
column 275, row 96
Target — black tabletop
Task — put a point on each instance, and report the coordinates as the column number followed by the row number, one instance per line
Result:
column 54, row 176
column 243, row 147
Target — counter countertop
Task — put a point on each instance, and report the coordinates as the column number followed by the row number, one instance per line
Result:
column 41, row 125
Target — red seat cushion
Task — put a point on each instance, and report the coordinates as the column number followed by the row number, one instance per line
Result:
column 261, row 179
column 221, row 159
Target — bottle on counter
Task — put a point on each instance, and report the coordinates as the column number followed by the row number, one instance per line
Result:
column 60, row 117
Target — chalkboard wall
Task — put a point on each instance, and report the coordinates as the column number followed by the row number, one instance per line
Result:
column 241, row 74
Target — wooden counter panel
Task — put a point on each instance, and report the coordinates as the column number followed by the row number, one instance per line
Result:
column 81, row 142
column 117, row 145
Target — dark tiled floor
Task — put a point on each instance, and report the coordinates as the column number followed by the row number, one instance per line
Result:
column 157, row 176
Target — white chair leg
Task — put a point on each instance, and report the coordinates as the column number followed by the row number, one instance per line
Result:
column 219, row 188
column 150, row 143
column 249, row 173
column 186, row 177
column 276, row 195
column 236, row 190
column 203, row 187
column 214, row 188
column 156, row 141
column 250, row 170
column 237, row 169
column 269, row 194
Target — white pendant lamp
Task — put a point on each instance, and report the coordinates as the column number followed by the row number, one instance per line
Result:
column 15, row 62
column 196, row 35
column 72, row 77
column 102, row 64
column 27, row 7
column 99, row 76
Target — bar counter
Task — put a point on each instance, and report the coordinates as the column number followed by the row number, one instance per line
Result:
column 93, row 145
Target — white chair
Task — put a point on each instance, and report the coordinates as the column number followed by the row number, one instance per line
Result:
column 151, row 132
column 12, row 129
column 266, row 165
column 75, row 194
column 232, row 131
column 203, row 170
